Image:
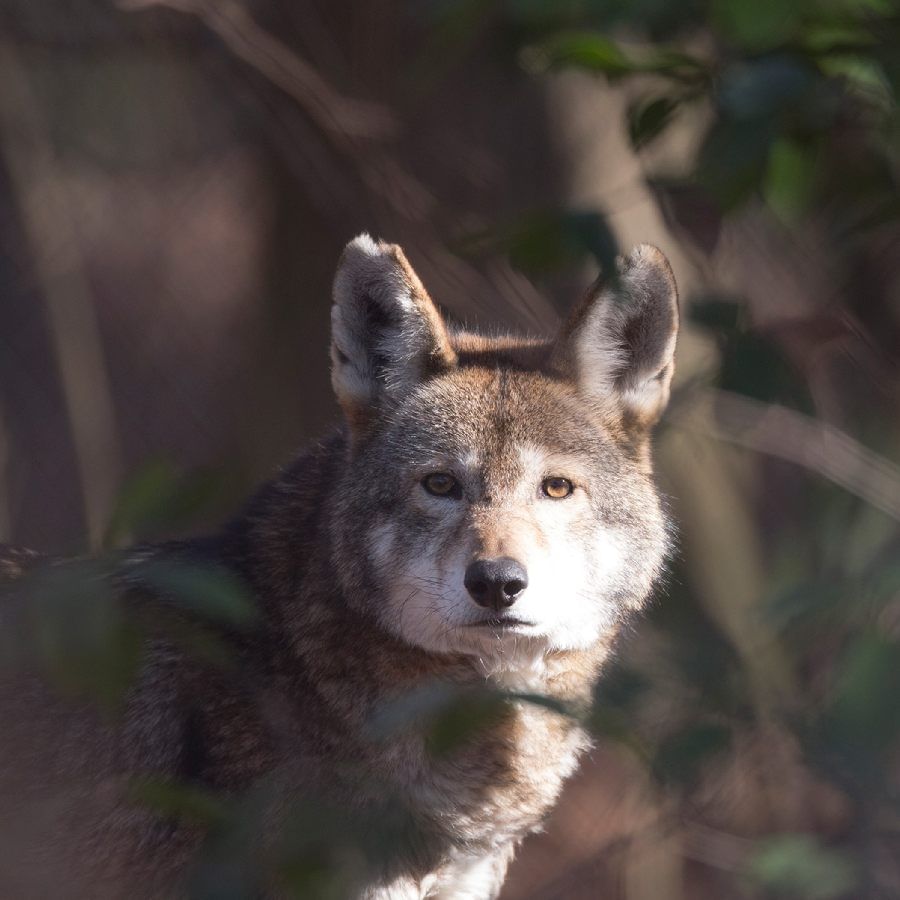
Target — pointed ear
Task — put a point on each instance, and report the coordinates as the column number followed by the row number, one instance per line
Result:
column 619, row 343
column 386, row 333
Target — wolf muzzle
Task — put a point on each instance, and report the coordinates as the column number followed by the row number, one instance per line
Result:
column 496, row 583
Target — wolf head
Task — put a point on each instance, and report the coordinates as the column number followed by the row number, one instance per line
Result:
column 497, row 497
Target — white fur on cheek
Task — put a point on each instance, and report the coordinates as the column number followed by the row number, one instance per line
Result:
column 570, row 586
column 573, row 570
column 424, row 605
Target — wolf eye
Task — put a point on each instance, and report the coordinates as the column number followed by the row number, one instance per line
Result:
column 440, row 484
column 557, row 488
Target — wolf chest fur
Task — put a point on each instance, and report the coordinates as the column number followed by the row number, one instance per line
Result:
column 486, row 517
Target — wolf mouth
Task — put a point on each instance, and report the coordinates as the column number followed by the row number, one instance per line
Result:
column 501, row 622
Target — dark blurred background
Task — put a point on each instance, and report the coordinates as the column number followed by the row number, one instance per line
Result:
column 177, row 179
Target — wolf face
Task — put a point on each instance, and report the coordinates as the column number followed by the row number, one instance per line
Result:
column 497, row 501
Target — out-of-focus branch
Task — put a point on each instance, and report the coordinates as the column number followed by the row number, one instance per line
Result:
column 343, row 119
column 355, row 128
column 5, row 515
column 47, row 219
column 361, row 131
column 789, row 435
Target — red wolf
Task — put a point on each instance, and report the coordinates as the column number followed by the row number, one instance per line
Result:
column 485, row 517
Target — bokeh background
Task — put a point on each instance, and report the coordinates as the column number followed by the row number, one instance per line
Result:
column 177, row 178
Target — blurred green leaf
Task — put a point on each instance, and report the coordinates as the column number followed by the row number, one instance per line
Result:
column 797, row 866
column 322, row 848
column 883, row 580
column 681, row 756
column 452, row 714
column 826, row 37
column 464, row 718
column 79, row 633
column 754, row 365
column 719, row 314
column 757, row 24
column 590, row 51
column 863, row 75
column 210, row 591
column 590, row 231
column 809, row 600
column 543, row 15
column 863, row 7
column 733, row 160
column 448, row 714
column 181, row 802
column 548, row 241
column 595, row 52
column 199, row 643
column 621, row 687
column 160, row 497
column 612, row 725
column 790, row 179
column 647, row 119
column 865, row 712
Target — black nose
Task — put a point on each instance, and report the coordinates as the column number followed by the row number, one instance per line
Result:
column 496, row 583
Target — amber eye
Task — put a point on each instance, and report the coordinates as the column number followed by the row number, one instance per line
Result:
column 440, row 484
column 557, row 488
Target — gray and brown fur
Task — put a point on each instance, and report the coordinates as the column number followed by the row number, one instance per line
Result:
column 357, row 573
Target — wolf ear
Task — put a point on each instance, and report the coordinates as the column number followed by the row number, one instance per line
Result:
column 386, row 333
column 619, row 343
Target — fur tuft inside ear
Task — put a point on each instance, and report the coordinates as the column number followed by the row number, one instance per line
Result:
column 619, row 343
column 387, row 334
